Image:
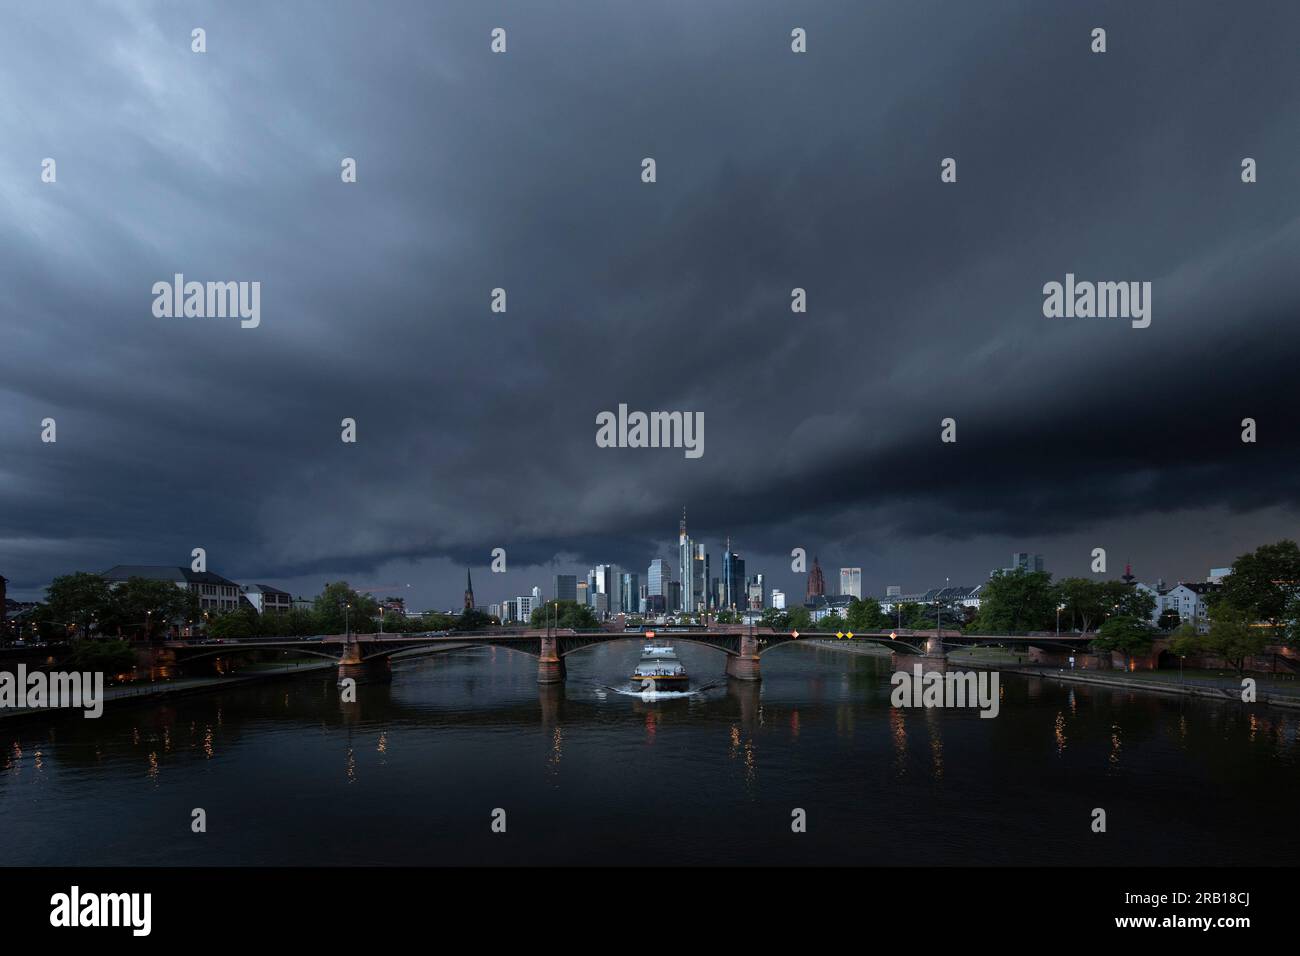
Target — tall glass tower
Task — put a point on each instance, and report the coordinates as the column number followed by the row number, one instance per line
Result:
column 686, row 561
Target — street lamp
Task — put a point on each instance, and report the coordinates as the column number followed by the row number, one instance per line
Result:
column 939, row 601
column 347, row 622
column 1059, row 609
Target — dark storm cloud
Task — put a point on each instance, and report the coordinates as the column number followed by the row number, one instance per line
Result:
column 522, row 171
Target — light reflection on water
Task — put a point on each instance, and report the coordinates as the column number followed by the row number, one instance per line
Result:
column 410, row 772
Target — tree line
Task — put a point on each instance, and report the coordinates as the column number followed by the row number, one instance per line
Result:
column 82, row 605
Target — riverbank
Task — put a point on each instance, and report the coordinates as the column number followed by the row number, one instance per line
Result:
column 1268, row 692
column 155, row 690
column 252, row 673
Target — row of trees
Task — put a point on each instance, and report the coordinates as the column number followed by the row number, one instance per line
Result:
column 1258, row 605
column 139, row 608
column 79, row 605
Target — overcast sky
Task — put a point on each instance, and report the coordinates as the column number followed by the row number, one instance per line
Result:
column 523, row 170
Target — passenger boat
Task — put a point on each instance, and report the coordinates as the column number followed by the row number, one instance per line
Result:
column 659, row 669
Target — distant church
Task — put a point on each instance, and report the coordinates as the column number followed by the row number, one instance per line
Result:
column 469, row 592
column 816, row 582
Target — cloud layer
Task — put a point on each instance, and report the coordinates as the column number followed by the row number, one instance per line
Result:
column 775, row 170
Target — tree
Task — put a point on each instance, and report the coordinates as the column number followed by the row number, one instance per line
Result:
column 1081, row 602
column 110, row 657
column 831, row 622
column 1185, row 639
column 919, row 616
column 1126, row 634
column 1127, row 600
column 1169, row 620
column 865, row 615
column 436, row 621
column 145, row 607
column 1291, row 620
column 241, row 622
column 1231, row 635
column 1263, row 583
column 471, row 619
column 564, row 615
column 1017, row 601
column 78, row 599
column 799, row 618
column 339, row 608
column 776, row 618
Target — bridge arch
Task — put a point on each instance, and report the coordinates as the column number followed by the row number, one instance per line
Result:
column 573, row 645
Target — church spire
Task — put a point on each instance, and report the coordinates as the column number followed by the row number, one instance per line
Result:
column 469, row 592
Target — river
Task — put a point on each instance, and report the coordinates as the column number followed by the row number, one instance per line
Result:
column 412, row 772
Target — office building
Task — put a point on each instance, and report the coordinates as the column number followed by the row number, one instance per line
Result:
column 851, row 582
column 685, row 564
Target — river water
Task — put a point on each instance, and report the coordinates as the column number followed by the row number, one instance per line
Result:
column 413, row 771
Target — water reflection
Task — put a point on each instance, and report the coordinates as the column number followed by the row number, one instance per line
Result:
column 898, row 733
column 473, row 728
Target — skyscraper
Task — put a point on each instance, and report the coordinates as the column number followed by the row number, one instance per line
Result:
column 630, row 592
column 685, row 564
column 658, row 586
column 700, row 580
column 1026, row 561
column 851, row 582
column 733, row 579
column 566, row 587
column 816, row 582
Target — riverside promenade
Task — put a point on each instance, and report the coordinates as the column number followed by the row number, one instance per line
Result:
column 141, row 691
column 1270, row 690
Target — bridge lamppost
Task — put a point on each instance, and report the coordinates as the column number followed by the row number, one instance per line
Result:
column 1059, row 609
column 347, row 622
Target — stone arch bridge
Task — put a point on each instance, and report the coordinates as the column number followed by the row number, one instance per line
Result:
column 370, row 655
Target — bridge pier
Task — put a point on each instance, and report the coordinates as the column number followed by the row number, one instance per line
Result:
column 353, row 664
column 744, row 666
column 550, row 665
